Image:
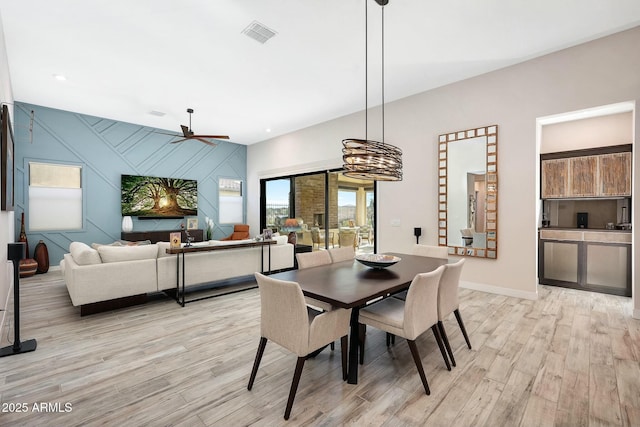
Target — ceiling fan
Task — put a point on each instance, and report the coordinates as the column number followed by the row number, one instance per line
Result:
column 187, row 134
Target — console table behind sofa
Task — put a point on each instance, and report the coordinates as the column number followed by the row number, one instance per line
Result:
column 156, row 236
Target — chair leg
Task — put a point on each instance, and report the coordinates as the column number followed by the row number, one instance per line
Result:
column 363, row 333
column 436, row 334
column 344, row 349
column 294, row 386
column 445, row 338
column 464, row 331
column 391, row 339
column 416, row 358
column 256, row 363
column 333, row 346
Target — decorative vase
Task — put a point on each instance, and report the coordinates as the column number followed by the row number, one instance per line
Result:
column 28, row 267
column 127, row 224
column 23, row 236
column 41, row 255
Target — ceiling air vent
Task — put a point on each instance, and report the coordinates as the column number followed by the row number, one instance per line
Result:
column 259, row 32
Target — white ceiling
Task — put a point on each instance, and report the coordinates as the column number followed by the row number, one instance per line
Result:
column 123, row 59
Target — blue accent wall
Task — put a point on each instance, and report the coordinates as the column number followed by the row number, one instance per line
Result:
column 106, row 149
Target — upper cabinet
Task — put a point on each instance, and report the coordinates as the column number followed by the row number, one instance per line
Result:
column 602, row 175
column 614, row 174
column 583, row 176
column 555, row 178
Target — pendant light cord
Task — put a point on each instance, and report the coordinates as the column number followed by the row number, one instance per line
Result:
column 383, row 74
column 366, row 70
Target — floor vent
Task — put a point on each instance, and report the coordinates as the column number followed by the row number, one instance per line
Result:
column 259, row 32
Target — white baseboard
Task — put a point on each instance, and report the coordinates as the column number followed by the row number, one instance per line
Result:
column 499, row 290
column 636, row 313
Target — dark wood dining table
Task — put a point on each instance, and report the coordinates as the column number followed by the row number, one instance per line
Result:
column 350, row 284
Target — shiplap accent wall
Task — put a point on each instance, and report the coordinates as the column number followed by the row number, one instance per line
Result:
column 106, row 149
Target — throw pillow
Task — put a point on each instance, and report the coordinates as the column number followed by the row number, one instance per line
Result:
column 84, row 255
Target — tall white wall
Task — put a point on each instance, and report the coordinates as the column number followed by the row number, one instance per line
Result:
column 7, row 232
column 600, row 72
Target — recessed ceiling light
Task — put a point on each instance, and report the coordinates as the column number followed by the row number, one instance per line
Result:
column 267, row 130
column 59, row 77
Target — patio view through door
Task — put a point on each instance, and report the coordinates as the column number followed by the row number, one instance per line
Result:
column 320, row 210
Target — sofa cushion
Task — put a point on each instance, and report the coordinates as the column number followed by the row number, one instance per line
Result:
column 127, row 253
column 162, row 249
column 84, row 255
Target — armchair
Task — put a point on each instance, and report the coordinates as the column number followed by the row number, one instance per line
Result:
column 240, row 232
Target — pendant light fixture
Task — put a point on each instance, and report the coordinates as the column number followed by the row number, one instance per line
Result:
column 365, row 158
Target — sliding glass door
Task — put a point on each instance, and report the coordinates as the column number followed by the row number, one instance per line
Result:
column 325, row 209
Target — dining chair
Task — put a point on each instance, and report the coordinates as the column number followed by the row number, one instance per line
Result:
column 342, row 254
column 448, row 302
column 314, row 259
column 409, row 319
column 431, row 251
column 427, row 251
column 286, row 320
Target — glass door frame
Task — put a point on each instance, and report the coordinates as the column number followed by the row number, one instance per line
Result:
column 327, row 207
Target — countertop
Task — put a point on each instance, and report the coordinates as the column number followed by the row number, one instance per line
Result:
column 604, row 230
column 585, row 235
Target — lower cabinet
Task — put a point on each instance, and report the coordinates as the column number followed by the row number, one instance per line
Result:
column 593, row 266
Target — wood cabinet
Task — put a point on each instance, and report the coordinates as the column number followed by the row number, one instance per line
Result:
column 555, row 178
column 614, row 174
column 594, row 261
column 603, row 175
column 583, row 176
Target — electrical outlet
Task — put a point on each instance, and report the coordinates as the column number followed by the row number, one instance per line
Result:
column 395, row 223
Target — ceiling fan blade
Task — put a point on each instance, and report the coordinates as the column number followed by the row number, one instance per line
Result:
column 211, row 136
column 167, row 133
column 213, row 144
column 179, row 140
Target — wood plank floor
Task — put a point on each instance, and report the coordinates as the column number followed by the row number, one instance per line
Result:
column 571, row 358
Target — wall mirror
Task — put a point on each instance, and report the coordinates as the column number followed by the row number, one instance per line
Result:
column 468, row 192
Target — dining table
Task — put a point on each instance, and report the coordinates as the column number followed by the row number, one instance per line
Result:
column 350, row 284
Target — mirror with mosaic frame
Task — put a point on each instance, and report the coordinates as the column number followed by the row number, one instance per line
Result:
column 468, row 192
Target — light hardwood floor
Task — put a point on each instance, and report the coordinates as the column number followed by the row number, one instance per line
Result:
column 571, row 358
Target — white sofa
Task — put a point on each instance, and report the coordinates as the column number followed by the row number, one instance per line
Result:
column 107, row 273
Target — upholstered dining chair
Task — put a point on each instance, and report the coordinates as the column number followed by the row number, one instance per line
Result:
column 431, row 251
column 448, row 303
column 314, row 259
column 427, row 251
column 345, row 253
column 410, row 318
column 286, row 320
column 422, row 250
